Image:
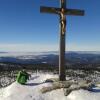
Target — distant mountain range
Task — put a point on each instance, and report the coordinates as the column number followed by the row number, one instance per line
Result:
column 50, row 57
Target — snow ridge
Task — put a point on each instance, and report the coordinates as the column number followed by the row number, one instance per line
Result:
column 31, row 91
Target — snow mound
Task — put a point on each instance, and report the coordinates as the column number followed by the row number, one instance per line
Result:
column 31, row 91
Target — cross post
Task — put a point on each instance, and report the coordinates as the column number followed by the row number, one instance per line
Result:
column 62, row 68
column 62, row 12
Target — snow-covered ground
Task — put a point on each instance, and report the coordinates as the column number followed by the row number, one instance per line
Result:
column 31, row 91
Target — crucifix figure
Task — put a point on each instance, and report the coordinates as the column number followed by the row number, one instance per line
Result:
column 62, row 12
column 62, row 21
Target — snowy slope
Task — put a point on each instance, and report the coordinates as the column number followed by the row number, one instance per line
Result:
column 31, row 91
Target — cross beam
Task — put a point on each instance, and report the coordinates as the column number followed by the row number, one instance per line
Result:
column 53, row 10
column 62, row 12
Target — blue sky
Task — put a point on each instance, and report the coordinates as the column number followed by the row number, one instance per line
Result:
column 24, row 28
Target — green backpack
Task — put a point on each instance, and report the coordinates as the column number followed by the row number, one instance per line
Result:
column 22, row 77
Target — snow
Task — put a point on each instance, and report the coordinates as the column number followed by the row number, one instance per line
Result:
column 31, row 91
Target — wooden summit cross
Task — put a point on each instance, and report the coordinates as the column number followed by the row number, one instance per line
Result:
column 62, row 12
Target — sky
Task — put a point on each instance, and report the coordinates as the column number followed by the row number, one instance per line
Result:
column 24, row 28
